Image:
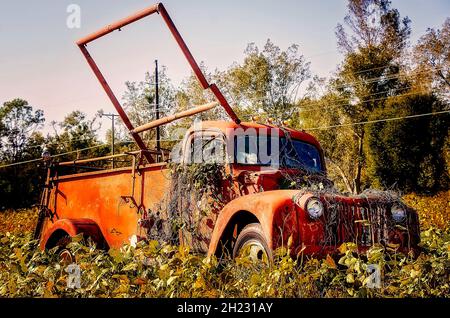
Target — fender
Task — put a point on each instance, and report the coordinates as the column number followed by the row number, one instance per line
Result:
column 274, row 210
column 74, row 227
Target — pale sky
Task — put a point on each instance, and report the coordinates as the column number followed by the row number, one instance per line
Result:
column 40, row 62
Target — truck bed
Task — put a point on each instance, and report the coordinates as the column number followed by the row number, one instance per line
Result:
column 113, row 199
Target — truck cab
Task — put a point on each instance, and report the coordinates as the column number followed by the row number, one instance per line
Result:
column 280, row 184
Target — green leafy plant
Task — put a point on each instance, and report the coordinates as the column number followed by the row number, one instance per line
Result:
column 154, row 270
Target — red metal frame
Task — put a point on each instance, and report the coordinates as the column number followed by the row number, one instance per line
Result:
column 160, row 9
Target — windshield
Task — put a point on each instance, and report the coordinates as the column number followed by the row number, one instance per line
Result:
column 253, row 150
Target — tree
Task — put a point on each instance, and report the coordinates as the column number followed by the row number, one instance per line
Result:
column 191, row 93
column 432, row 59
column 19, row 141
column 339, row 145
column 409, row 154
column 373, row 41
column 74, row 133
column 139, row 101
column 267, row 82
column 18, row 123
column 372, row 24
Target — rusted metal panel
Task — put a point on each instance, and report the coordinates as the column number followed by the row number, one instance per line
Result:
column 182, row 44
column 223, row 101
column 100, row 198
column 119, row 24
column 172, row 118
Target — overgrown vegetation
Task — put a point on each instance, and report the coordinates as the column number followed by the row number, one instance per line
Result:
column 433, row 211
column 18, row 221
column 196, row 194
column 152, row 270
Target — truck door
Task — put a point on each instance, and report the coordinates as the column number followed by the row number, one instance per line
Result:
column 204, row 160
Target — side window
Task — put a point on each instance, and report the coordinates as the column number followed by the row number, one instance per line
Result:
column 246, row 149
column 207, row 149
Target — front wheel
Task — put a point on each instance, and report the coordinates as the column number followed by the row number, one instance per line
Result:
column 252, row 243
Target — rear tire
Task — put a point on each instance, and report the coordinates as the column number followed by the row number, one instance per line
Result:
column 253, row 243
column 65, row 256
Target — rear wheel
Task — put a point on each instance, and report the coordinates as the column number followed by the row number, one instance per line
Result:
column 252, row 243
column 65, row 256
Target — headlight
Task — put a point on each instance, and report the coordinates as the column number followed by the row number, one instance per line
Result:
column 398, row 213
column 314, row 207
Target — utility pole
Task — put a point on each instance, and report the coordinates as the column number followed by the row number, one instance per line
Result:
column 158, row 132
column 113, row 119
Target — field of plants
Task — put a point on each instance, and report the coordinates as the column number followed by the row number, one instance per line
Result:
column 152, row 270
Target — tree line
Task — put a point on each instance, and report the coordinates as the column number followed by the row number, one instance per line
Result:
column 381, row 76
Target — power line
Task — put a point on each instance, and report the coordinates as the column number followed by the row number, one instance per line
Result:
column 20, row 163
column 61, row 154
column 54, row 156
column 67, row 102
column 377, row 121
column 332, row 106
column 59, row 142
column 76, row 151
column 383, row 77
column 312, row 104
column 371, row 69
column 370, row 80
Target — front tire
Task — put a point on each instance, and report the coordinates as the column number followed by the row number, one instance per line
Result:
column 252, row 242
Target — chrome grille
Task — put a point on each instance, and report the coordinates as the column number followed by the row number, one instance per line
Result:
column 364, row 224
